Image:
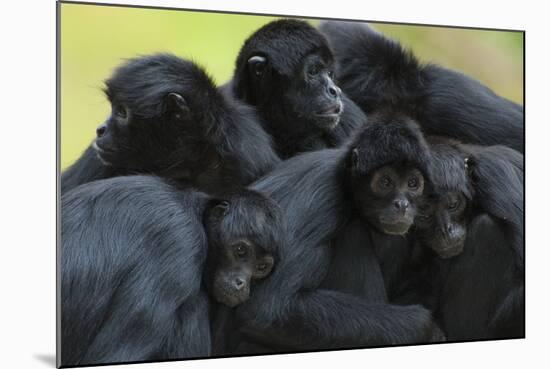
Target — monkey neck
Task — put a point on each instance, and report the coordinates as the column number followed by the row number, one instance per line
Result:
column 291, row 132
column 213, row 174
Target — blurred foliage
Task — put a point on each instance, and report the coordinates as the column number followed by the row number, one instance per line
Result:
column 95, row 39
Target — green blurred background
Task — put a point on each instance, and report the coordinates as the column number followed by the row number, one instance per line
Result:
column 95, row 39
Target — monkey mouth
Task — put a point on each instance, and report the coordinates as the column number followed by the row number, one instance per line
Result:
column 101, row 153
column 230, row 300
column 333, row 111
column 327, row 121
column 328, row 118
column 230, row 297
column 449, row 250
column 98, row 148
column 395, row 228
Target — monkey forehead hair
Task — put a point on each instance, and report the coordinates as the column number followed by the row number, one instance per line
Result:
column 142, row 83
column 254, row 216
column 391, row 138
column 448, row 167
column 286, row 42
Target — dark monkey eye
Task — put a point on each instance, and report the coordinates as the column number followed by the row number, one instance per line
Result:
column 261, row 267
column 313, row 71
column 241, row 251
column 386, row 181
column 331, row 74
column 413, row 182
column 221, row 209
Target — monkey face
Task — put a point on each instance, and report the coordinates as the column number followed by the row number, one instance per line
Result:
column 307, row 91
column 239, row 252
column 441, row 223
column 387, row 197
column 313, row 94
column 161, row 117
column 238, row 264
column 159, row 143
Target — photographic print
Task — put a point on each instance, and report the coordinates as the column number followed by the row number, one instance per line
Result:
column 239, row 184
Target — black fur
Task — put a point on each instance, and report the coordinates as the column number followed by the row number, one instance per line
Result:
column 286, row 99
column 355, row 267
column 365, row 261
column 479, row 293
column 377, row 72
column 391, row 137
column 292, row 310
column 497, row 176
column 132, row 259
column 131, row 268
column 206, row 138
column 498, row 179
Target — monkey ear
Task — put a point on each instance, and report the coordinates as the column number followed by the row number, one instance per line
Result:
column 469, row 163
column 264, row 266
column 220, row 209
column 178, row 105
column 257, row 64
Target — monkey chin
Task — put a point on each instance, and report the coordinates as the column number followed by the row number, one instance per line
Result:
column 229, row 297
column 103, row 161
column 395, row 229
column 449, row 251
column 98, row 152
column 335, row 124
column 327, row 122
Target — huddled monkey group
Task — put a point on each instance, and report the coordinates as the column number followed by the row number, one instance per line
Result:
column 335, row 193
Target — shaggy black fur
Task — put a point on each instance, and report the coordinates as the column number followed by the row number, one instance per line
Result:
column 377, row 72
column 285, row 70
column 480, row 293
column 169, row 119
column 132, row 259
column 491, row 271
column 292, row 310
column 465, row 261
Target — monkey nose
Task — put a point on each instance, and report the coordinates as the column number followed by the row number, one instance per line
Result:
column 452, row 231
column 239, row 283
column 447, row 231
column 401, row 204
column 100, row 131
